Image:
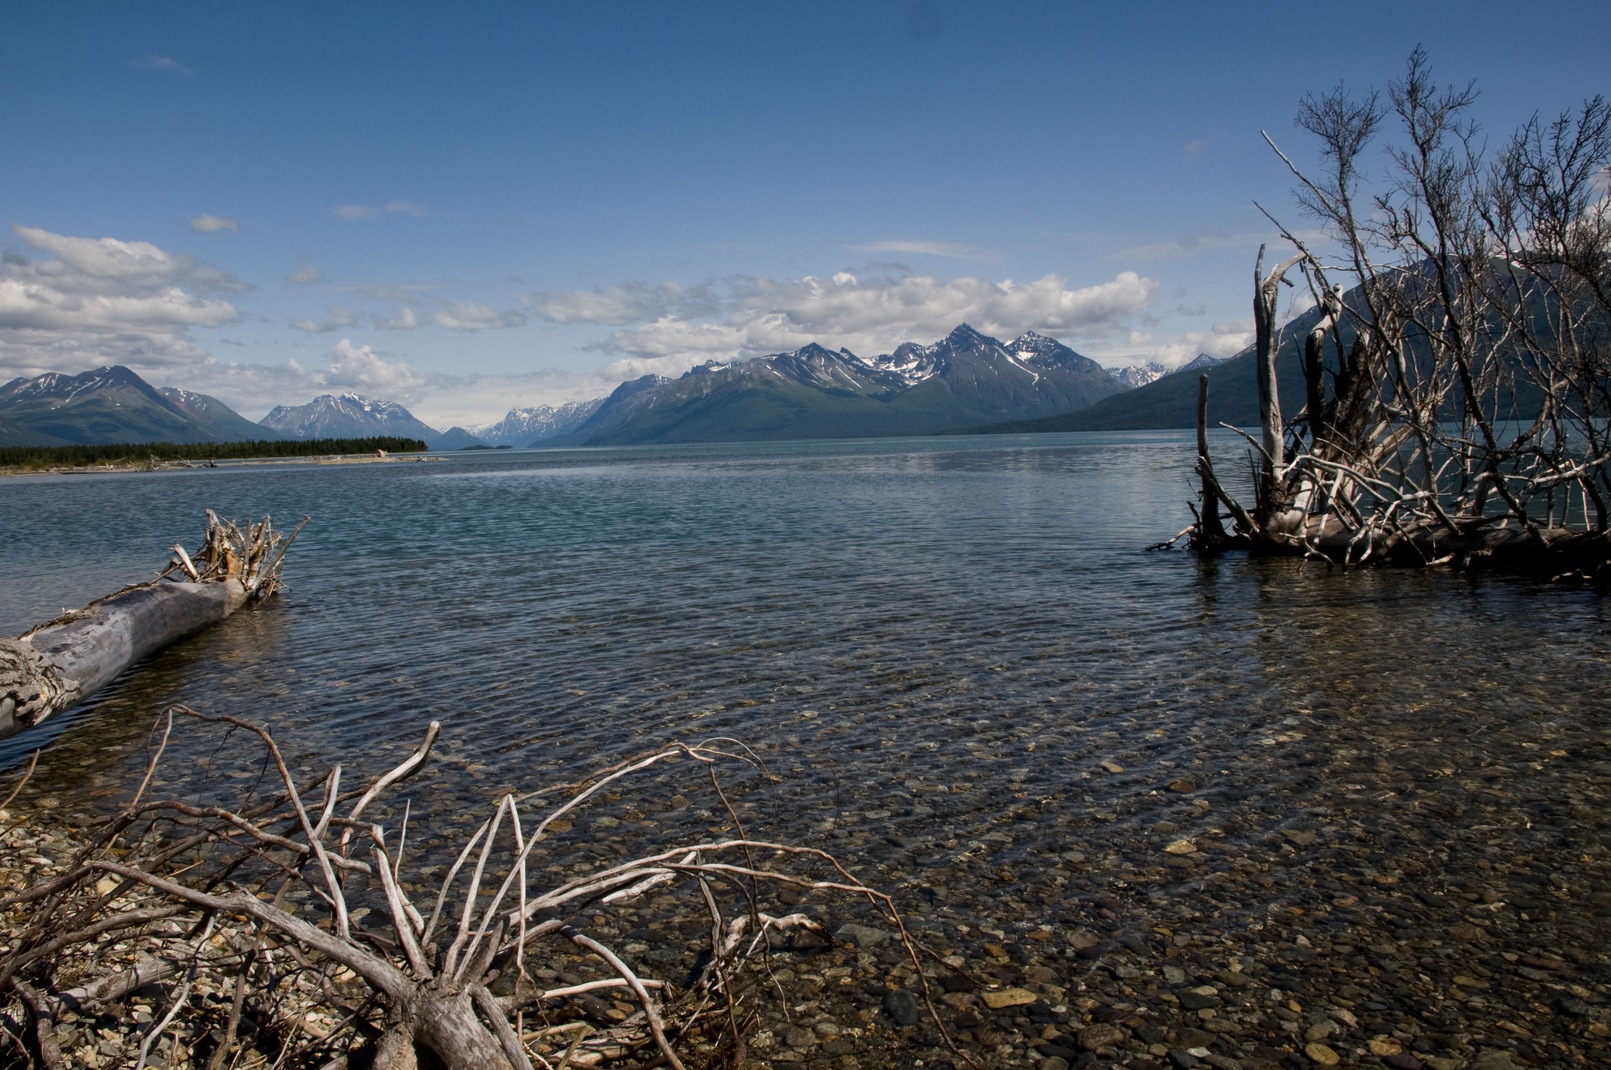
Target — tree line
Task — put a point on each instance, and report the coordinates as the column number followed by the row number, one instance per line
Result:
column 143, row 452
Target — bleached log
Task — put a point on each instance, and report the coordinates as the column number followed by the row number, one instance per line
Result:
column 59, row 664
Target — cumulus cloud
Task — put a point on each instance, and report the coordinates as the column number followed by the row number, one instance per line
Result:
column 474, row 316
column 868, row 316
column 108, row 262
column 253, row 389
column 1218, row 340
column 306, row 275
column 212, row 224
column 151, row 61
column 339, row 319
column 478, row 400
column 361, row 369
column 405, row 320
column 104, row 300
column 441, row 401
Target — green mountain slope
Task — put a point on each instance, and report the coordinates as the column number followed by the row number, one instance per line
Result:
column 113, row 404
column 963, row 381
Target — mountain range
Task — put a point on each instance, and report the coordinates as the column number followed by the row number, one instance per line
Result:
column 965, row 381
column 115, row 405
column 347, row 416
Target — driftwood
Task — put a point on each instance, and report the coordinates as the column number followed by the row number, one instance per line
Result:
column 344, row 952
column 1457, row 397
column 56, row 665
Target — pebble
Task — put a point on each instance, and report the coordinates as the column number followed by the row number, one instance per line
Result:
column 902, row 1007
column 1009, row 997
column 863, row 936
column 1321, row 1055
column 1101, row 1035
column 1333, row 903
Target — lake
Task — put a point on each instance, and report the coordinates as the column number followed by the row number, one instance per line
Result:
column 971, row 682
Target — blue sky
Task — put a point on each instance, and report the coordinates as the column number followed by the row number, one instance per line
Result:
column 471, row 207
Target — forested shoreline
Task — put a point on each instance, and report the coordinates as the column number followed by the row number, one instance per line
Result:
column 39, row 457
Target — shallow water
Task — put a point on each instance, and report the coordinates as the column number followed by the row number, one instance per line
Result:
column 968, row 676
column 948, row 604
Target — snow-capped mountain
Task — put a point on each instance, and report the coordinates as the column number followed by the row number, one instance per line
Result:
column 1139, row 374
column 965, row 380
column 347, row 416
column 113, row 404
column 1201, row 363
column 523, row 427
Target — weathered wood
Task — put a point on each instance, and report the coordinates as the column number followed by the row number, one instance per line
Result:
column 56, row 665
column 428, row 979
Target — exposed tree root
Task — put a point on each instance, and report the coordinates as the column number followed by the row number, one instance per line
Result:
column 289, row 928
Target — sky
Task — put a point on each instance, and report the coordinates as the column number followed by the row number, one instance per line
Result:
column 474, row 207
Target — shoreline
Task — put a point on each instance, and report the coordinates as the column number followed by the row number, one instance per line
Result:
column 1337, row 939
column 179, row 466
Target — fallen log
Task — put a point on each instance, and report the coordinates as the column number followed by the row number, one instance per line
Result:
column 58, row 664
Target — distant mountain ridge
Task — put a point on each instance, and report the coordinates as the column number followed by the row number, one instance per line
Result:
column 528, row 426
column 965, row 380
column 347, row 416
column 113, row 404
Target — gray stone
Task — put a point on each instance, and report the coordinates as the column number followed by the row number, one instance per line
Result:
column 901, row 1006
column 863, row 936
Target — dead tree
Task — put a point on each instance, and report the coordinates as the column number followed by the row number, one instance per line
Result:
column 304, row 879
column 1456, row 391
column 56, row 665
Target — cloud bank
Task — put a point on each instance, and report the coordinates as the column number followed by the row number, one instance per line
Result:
column 94, row 301
column 667, row 330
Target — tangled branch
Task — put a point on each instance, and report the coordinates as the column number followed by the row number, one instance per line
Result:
column 336, row 949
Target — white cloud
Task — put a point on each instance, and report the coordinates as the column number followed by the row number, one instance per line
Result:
column 1185, row 245
column 151, row 61
column 400, row 293
column 253, row 389
column 361, row 369
column 478, row 400
column 405, row 320
column 306, row 275
column 629, row 302
column 1218, row 340
column 474, row 316
column 339, row 319
column 212, row 224
column 103, row 300
column 365, row 211
column 441, row 401
column 112, row 263
column 927, row 248
column 869, row 317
